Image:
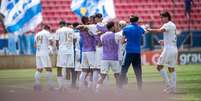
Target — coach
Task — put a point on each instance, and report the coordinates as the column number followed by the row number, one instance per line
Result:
column 132, row 34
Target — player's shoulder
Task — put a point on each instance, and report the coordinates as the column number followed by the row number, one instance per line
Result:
column 69, row 29
column 169, row 25
column 42, row 32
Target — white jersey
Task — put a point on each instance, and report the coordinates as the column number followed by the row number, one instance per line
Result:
column 42, row 42
column 169, row 34
column 65, row 36
column 77, row 43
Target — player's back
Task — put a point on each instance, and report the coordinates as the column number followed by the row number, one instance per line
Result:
column 65, row 37
column 110, row 46
column 42, row 42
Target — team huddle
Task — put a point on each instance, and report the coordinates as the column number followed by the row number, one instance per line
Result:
column 88, row 50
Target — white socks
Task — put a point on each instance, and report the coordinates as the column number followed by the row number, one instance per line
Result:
column 95, row 77
column 165, row 76
column 106, row 82
column 49, row 79
column 173, row 79
column 169, row 82
column 60, row 81
column 89, row 82
column 82, row 79
column 37, row 77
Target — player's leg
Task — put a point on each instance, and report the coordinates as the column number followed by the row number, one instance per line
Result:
column 124, row 69
column 172, row 60
column 96, row 70
column 93, row 72
column 116, row 68
column 73, row 77
column 49, row 78
column 172, row 79
column 163, row 74
column 82, row 78
column 136, row 63
column 37, row 86
column 67, row 76
column 48, row 68
column 60, row 78
column 116, row 76
column 100, row 82
column 103, row 73
column 39, row 69
column 89, row 78
column 160, row 67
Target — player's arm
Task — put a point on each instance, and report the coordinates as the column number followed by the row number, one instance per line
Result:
column 35, row 41
column 82, row 27
column 57, row 40
column 123, row 40
column 161, row 30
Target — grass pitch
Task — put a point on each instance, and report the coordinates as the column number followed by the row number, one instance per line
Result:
column 188, row 80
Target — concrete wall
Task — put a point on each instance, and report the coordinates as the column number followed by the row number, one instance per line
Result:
column 20, row 61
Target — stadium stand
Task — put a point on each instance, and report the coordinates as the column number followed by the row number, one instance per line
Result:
column 55, row 10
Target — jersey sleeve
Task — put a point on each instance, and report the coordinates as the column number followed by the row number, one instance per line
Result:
column 92, row 29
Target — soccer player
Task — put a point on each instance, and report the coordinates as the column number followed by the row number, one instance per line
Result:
column 119, row 35
column 169, row 55
column 100, row 29
column 132, row 34
column 77, row 49
column 65, row 56
column 42, row 57
column 110, row 55
column 88, row 53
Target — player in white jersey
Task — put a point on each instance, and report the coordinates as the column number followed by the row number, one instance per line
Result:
column 65, row 56
column 119, row 35
column 42, row 57
column 169, row 55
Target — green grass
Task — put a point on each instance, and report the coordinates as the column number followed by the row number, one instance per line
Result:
column 188, row 80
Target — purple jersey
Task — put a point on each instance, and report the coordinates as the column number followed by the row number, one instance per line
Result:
column 101, row 27
column 89, row 43
column 110, row 47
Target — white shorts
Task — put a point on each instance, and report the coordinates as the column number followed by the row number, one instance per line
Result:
column 88, row 60
column 107, row 64
column 99, row 53
column 43, row 62
column 65, row 60
column 168, row 57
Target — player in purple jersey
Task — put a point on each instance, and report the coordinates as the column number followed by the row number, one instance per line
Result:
column 110, row 55
column 88, row 52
